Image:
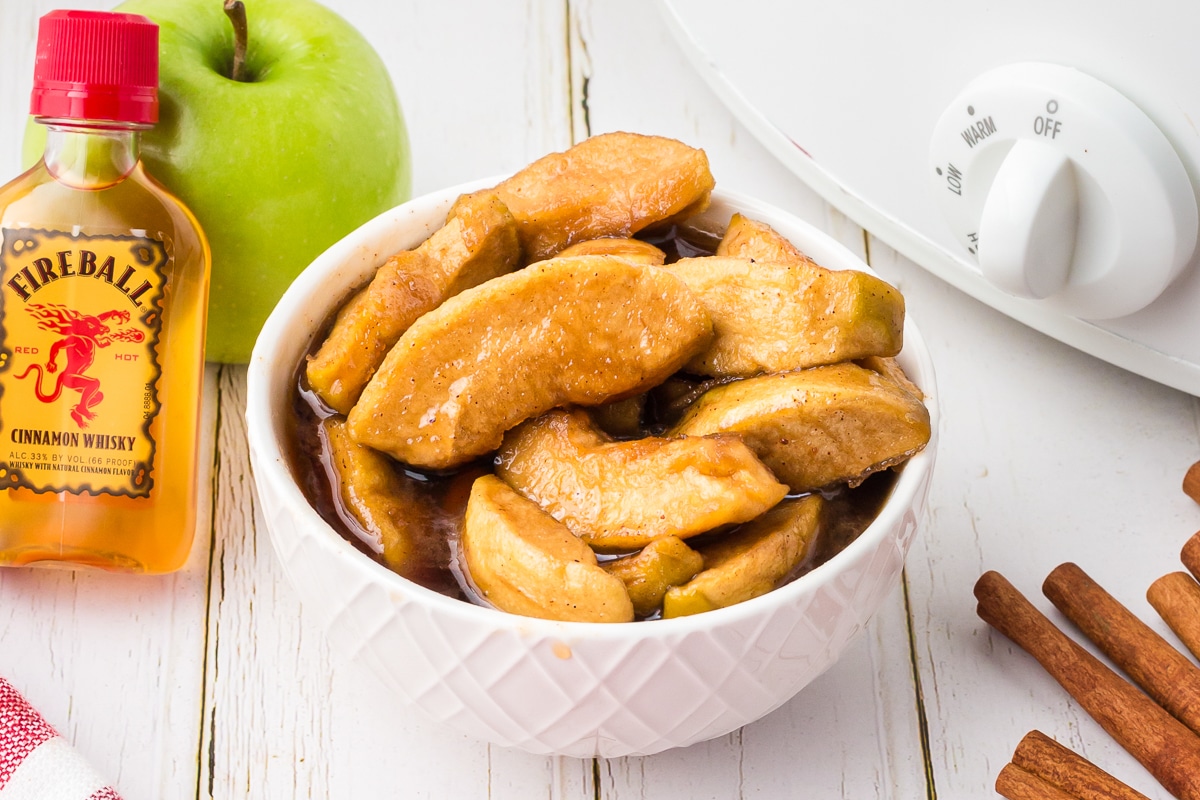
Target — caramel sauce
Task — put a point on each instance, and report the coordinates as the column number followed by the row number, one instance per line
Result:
column 847, row 513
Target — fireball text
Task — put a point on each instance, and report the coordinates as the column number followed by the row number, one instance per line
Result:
column 75, row 264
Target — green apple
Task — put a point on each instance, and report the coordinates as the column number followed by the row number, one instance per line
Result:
column 277, row 166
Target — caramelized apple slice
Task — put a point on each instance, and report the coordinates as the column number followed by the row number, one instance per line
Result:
column 397, row 518
column 569, row 331
column 816, row 427
column 610, row 185
column 634, row 250
column 774, row 316
column 621, row 419
column 891, row 369
column 654, row 569
column 478, row 244
column 524, row 562
column 751, row 561
column 620, row 496
column 758, row 241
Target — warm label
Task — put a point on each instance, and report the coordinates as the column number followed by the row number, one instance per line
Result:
column 79, row 325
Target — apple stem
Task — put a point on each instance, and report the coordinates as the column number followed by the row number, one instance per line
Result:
column 236, row 11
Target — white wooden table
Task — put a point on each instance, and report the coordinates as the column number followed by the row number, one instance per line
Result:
column 214, row 683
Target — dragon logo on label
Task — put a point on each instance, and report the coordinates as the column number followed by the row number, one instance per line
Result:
column 81, row 334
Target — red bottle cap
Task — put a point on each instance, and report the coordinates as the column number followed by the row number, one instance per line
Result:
column 96, row 65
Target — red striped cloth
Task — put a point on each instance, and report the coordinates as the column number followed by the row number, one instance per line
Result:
column 38, row 764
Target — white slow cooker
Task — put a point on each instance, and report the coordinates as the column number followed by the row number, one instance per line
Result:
column 1042, row 157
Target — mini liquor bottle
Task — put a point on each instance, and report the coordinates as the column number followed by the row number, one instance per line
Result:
column 103, row 295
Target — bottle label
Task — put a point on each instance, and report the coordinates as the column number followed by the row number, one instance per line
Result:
column 80, row 319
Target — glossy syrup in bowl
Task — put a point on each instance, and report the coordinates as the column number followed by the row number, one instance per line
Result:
column 439, row 498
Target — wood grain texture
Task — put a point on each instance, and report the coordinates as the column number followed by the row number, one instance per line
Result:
column 223, row 688
column 483, row 86
column 1047, row 455
column 115, row 662
column 18, row 37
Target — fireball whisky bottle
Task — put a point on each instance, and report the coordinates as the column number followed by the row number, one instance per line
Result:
column 103, row 294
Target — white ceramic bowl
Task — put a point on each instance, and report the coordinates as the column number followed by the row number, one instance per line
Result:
column 577, row 689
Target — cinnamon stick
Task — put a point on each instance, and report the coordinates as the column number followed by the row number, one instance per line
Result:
column 1016, row 783
column 1191, row 482
column 1190, row 556
column 1157, row 740
column 1176, row 598
column 1162, row 671
column 1065, row 769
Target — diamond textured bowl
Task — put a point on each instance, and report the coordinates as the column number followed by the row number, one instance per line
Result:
column 578, row 689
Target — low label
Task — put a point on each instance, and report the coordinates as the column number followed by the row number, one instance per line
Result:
column 79, row 326
column 1048, row 125
column 954, row 179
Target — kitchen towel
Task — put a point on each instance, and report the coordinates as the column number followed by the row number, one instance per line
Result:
column 38, row 764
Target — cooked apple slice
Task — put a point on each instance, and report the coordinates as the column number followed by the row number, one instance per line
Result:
column 750, row 561
column 610, row 185
column 569, row 331
column 774, row 316
column 891, row 369
column 792, row 313
column 654, row 569
column 523, row 561
column 367, row 325
column 748, row 238
column 620, row 496
column 621, row 419
column 634, row 250
column 816, row 427
column 479, row 243
column 667, row 402
column 397, row 518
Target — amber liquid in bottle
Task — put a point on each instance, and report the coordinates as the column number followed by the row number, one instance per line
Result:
column 105, row 288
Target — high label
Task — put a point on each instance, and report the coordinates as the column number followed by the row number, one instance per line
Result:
column 79, row 323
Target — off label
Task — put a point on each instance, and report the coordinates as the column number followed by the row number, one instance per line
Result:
column 1048, row 126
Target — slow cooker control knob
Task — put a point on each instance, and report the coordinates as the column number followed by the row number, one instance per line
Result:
column 1063, row 190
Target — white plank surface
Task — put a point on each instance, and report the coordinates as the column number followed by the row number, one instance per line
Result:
column 1049, row 456
column 214, row 683
column 114, row 662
